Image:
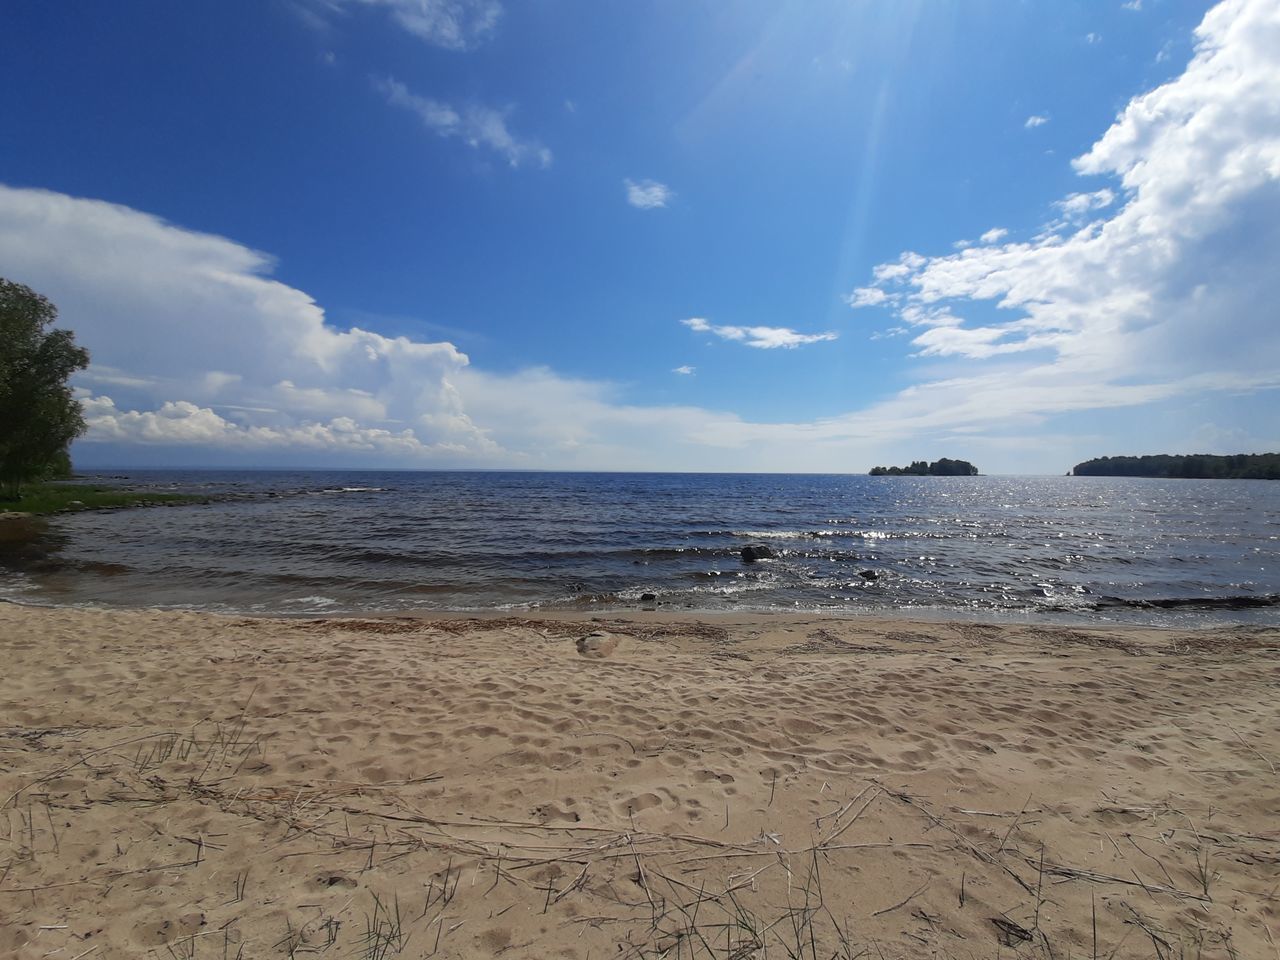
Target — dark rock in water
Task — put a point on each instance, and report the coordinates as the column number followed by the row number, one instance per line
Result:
column 756, row 551
column 868, row 574
column 648, row 597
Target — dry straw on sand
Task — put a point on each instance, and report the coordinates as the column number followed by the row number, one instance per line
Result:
column 185, row 786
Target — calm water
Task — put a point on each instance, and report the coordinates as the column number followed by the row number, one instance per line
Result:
column 1090, row 549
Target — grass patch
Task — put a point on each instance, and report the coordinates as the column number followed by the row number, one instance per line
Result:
column 40, row 498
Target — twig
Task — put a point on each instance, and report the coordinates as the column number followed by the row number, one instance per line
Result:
column 1012, row 826
column 980, row 854
column 1077, row 874
column 105, row 876
column 1252, row 749
column 852, row 820
column 902, row 903
column 1093, row 904
column 577, row 882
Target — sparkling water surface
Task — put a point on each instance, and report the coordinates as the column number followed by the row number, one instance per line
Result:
column 1081, row 549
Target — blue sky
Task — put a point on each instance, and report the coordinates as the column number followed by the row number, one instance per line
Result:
column 671, row 235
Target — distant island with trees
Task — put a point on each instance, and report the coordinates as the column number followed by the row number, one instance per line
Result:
column 922, row 468
column 1198, row 466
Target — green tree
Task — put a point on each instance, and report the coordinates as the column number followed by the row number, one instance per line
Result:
column 39, row 416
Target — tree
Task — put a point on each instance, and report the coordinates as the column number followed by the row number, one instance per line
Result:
column 922, row 468
column 39, row 416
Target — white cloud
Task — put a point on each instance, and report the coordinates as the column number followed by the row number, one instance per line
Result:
column 1092, row 38
column 1134, row 5
column 648, row 194
column 1035, row 120
column 182, row 423
column 1167, row 296
column 765, row 338
column 1077, row 205
column 451, row 24
column 867, row 297
column 189, row 324
column 195, row 346
column 476, row 125
column 685, row 370
column 994, row 235
column 1172, row 292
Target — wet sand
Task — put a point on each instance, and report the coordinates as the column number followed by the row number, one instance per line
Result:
column 188, row 785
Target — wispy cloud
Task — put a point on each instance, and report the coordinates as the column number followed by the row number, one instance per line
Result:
column 476, row 125
column 451, row 24
column 685, row 370
column 994, row 235
column 764, row 338
column 1035, row 120
column 1079, row 204
column 648, row 194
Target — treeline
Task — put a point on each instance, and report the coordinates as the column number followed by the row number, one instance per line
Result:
column 922, row 468
column 1199, row 466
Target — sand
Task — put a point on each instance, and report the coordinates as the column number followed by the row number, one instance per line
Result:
column 188, row 785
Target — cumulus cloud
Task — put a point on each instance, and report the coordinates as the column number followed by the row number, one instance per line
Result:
column 994, row 235
column 182, row 423
column 684, row 370
column 475, row 124
column 1035, row 120
column 648, row 194
column 451, row 24
column 765, row 338
column 1174, row 290
column 190, row 327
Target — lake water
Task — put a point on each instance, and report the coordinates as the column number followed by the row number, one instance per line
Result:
column 1079, row 549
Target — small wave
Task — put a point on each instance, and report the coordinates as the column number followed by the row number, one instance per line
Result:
column 354, row 490
column 650, row 553
column 784, row 534
column 311, row 601
column 1239, row 602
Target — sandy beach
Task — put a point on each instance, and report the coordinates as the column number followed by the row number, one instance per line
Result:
column 637, row 785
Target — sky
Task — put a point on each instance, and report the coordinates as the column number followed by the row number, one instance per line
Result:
column 807, row 236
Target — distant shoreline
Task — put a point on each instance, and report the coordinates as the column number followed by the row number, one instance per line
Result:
column 1196, row 466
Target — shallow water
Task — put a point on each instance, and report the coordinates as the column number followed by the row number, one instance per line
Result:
column 1081, row 549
